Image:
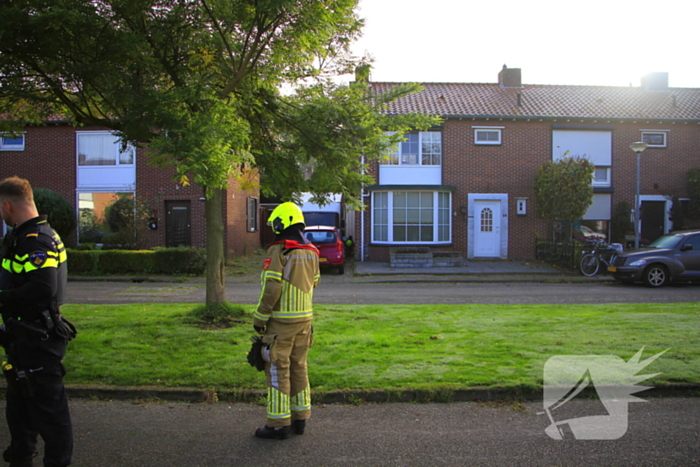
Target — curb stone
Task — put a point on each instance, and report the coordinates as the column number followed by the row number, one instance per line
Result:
column 352, row 397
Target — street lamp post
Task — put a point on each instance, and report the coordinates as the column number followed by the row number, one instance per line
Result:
column 638, row 148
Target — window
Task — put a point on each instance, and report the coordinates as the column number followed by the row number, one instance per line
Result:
column 655, row 139
column 9, row 143
column 103, row 148
column 601, row 176
column 102, row 214
column 252, row 214
column 411, row 217
column 486, row 220
column 487, row 135
column 424, row 148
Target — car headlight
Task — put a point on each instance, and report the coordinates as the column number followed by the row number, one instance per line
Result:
column 639, row 262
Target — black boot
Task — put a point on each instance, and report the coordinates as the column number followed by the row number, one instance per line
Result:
column 18, row 461
column 299, row 426
column 273, row 433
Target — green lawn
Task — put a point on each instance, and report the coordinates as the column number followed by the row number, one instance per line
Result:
column 389, row 347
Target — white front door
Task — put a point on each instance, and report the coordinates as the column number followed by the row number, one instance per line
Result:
column 487, row 229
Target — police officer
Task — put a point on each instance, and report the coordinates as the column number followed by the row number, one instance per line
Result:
column 32, row 288
column 290, row 273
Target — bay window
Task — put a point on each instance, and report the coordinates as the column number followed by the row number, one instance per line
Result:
column 411, row 217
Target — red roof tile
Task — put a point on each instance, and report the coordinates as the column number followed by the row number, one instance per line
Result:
column 481, row 100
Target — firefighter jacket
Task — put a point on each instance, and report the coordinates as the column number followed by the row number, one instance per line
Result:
column 289, row 275
column 34, row 270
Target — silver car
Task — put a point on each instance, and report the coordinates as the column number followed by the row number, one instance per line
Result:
column 671, row 257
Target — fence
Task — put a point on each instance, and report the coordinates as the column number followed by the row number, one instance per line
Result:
column 563, row 254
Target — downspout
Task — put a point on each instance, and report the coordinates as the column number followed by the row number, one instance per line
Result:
column 363, row 195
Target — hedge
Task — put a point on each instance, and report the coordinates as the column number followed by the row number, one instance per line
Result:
column 175, row 261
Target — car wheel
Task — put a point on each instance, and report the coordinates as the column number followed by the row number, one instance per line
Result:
column 655, row 275
column 341, row 269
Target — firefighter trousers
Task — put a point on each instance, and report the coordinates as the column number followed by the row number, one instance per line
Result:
column 288, row 391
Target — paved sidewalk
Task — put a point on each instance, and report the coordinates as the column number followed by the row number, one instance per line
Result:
column 371, row 271
column 470, row 267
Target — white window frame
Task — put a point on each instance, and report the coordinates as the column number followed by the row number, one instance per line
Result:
column 117, row 150
column 390, row 219
column 488, row 129
column 11, row 147
column 606, row 182
column 663, row 133
column 396, row 153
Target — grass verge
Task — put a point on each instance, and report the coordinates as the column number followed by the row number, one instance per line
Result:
column 388, row 347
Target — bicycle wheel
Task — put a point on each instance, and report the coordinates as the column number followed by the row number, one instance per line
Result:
column 589, row 265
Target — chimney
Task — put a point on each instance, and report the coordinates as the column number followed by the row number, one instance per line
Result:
column 510, row 78
column 657, row 81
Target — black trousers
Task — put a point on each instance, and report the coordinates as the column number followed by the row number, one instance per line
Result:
column 45, row 410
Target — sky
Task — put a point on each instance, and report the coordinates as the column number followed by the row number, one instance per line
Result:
column 600, row 43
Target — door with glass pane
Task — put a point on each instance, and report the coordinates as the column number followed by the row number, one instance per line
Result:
column 487, row 229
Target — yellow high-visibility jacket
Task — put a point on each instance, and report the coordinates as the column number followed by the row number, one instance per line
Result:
column 290, row 274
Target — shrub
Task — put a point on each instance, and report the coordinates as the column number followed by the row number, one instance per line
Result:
column 180, row 260
column 59, row 211
column 122, row 240
column 176, row 261
column 620, row 222
column 83, row 262
column 126, row 262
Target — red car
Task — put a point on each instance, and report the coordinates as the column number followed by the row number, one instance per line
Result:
column 330, row 245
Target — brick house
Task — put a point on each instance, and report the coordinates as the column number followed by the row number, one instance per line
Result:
column 467, row 186
column 89, row 169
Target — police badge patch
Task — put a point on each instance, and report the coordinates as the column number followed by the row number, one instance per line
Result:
column 38, row 258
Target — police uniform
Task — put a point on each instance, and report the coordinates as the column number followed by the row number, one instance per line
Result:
column 33, row 287
column 285, row 309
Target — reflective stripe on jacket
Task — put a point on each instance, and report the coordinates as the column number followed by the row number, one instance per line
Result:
column 289, row 276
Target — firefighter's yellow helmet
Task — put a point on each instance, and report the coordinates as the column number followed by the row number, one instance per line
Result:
column 285, row 215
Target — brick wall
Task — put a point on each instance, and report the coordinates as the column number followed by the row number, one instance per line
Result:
column 507, row 168
column 239, row 240
column 512, row 167
column 49, row 161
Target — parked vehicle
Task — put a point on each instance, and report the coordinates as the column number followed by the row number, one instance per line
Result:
column 589, row 233
column 330, row 245
column 671, row 257
column 332, row 213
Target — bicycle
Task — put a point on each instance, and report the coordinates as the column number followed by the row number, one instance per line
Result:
column 600, row 253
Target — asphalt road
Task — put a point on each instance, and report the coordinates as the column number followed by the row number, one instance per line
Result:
column 335, row 290
column 662, row 432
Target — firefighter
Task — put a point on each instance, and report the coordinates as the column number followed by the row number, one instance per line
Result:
column 34, row 334
column 284, row 313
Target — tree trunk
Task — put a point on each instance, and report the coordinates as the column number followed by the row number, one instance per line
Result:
column 215, row 247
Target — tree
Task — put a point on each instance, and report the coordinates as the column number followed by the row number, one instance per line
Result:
column 198, row 83
column 563, row 189
column 59, row 213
